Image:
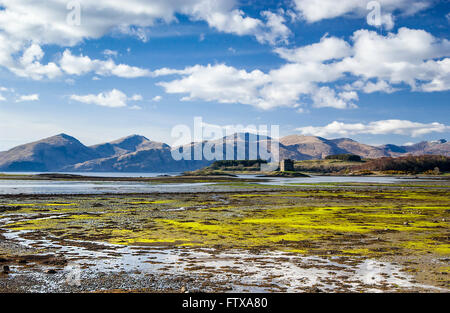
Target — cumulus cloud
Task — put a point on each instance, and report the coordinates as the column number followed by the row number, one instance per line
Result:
column 80, row 65
column 18, row 18
column 221, row 83
column 31, row 21
column 317, row 10
column 327, row 97
column 30, row 65
column 409, row 56
column 223, row 16
column 280, row 87
column 157, row 98
column 276, row 30
column 329, row 48
column 370, row 86
column 113, row 99
column 24, row 98
column 374, row 63
column 384, row 127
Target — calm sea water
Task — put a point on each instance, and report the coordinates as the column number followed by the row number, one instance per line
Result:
column 83, row 187
column 332, row 179
column 101, row 174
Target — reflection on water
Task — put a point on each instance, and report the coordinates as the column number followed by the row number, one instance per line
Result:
column 335, row 179
column 82, row 187
column 74, row 187
column 100, row 174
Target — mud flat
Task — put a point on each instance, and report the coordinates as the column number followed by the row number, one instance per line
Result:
column 341, row 237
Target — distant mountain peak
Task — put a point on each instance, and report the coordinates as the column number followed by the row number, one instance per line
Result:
column 63, row 136
column 60, row 139
column 133, row 137
column 130, row 143
column 48, row 154
column 126, row 145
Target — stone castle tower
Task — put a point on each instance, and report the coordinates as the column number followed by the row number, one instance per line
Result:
column 286, row 165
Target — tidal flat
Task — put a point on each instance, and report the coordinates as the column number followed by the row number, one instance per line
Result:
column 242, row 237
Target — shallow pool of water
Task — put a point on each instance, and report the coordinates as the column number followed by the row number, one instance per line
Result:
column 81, row 187
column 101, row 174
column 336, row 179
column 86, row 187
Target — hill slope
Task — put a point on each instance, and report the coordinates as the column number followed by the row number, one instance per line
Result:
column 134, row 155
column 138, row 154
column 49, row 154
column 438, row 147
column 310, row 147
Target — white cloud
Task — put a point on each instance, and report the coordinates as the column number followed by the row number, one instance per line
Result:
column 410, row 57
column 329, row 48
column 326, row 97
column 24, row 98
column 379, row 86
column 157, row 98
column 80, row 65
column 317, row 10
column 136, row 97
column 371, row 87
column 220, row 83
column 2, row 98
column 30, row 65
column 135, row 107
column 226, row 84
column 222, row 16
column 277, row 31
column 109, row 52
column 384, row 127
column 113, row 99
column 25, row 22
column 18, row 18
column 371, row 62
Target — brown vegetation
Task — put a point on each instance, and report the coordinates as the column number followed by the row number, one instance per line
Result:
column 430, row 164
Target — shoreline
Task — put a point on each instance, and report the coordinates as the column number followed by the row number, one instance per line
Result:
column 258, row 176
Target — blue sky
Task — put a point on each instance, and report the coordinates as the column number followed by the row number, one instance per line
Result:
column 312, row 67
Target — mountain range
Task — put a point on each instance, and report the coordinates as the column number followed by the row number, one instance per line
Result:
column 135, row 153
